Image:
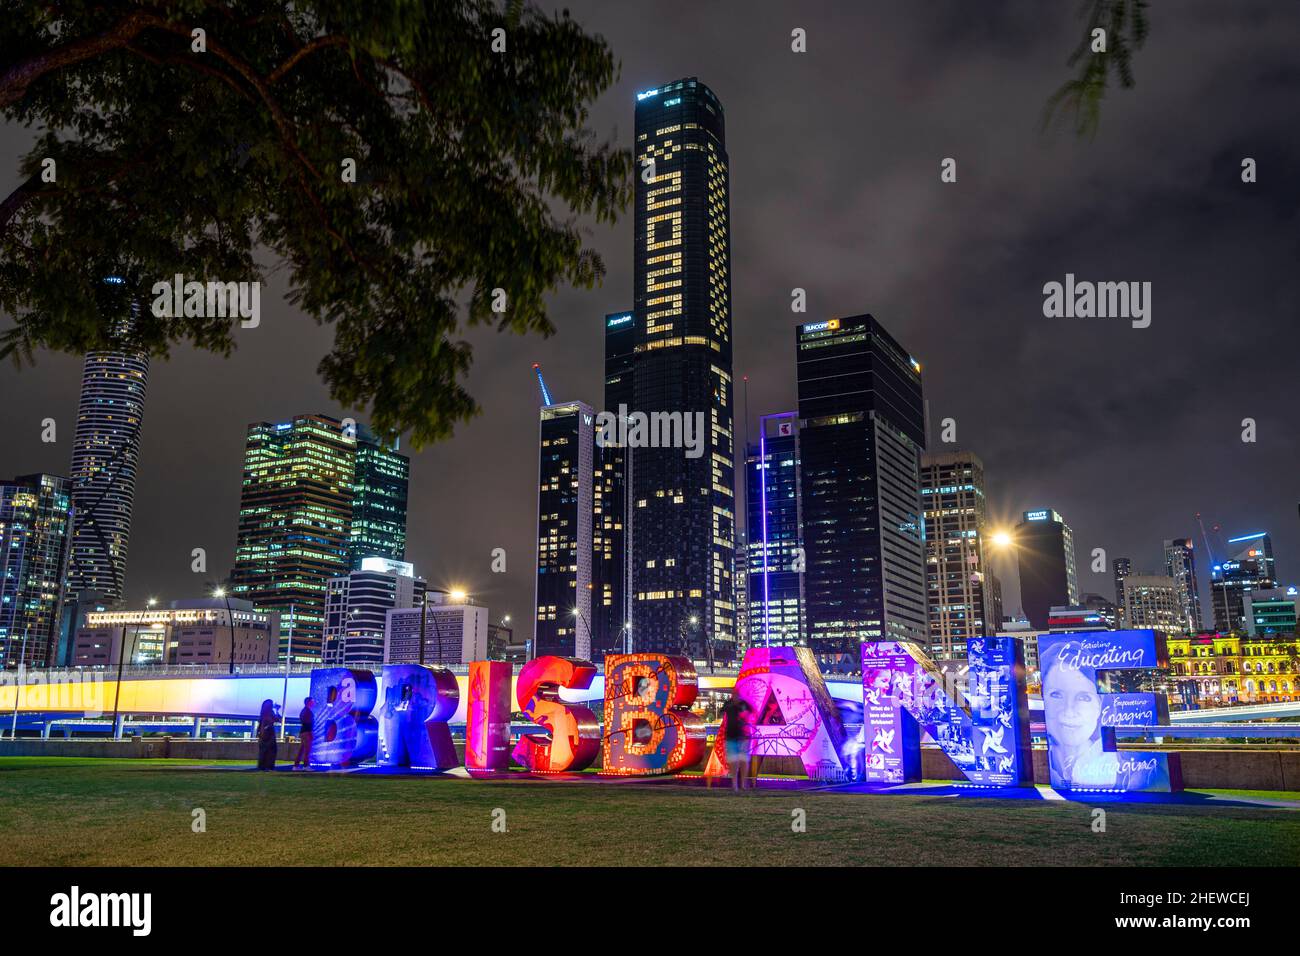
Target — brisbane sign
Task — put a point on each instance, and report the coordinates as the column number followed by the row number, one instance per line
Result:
column 1091, row 685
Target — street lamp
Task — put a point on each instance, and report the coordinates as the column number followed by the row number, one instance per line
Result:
column 230, row 619
column 121, row 659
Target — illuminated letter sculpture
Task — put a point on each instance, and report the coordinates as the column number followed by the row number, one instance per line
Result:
column 985, row 733
column 1081, row 716
column 573, row 732
column 345, row 731
column 794, row 713
column 649, row 728
column 415, row 703
column 487, row 717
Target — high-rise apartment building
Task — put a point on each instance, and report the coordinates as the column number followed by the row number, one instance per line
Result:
column 565, row 523
column 357, row 606
column 105, row 456
column 379, row 498
column 35, row 543
column 1045, row 558
column 295, row 515
column 861, row 434
column 1180, row 564
column 964, row 598
column 1249, row 568
column 683, row 507
column 775, row 559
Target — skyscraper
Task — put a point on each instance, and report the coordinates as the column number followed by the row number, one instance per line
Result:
column 1249, row 568
column 612, row 608
column 683, row 521
column 1045, row 557
column 379, row 494
column 35, row 543
column 105, row 454
column 295, row 514
column 964, row 599
column 1154, row 601
column 565, row 516
column 1120, row 568
column 861, row 434
column 1180, row 564
column 775, row 559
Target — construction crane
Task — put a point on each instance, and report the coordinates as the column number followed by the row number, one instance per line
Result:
column 541, row 383
column 1209, row 553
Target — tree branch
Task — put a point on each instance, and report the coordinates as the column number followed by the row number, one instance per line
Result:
column 16, row 80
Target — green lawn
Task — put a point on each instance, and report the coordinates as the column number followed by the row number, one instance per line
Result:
column 70, row 811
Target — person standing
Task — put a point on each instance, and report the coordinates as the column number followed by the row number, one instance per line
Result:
column 305, row 734
column 266, row 746
column 735, row 729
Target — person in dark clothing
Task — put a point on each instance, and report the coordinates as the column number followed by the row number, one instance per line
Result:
column 735, row 728
column 266, row 736
column 308, row 720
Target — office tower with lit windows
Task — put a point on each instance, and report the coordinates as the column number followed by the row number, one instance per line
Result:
column 36, row 523
column 1154, row 601
column 105, row 456
column 861, row 434
column 964, row 597
column 1180, row 564
column 379, row 493
column 1045, row 557
column 775, row 555
column 357, row 606
column 612, row 527
column 295, row 514
column 683, row 508
column 1250, row 567
column 565, row 518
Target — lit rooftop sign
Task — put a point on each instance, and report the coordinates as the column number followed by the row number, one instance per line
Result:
column 647, row 94
column 830, row 325
column 1036, row 515
column 618, row 320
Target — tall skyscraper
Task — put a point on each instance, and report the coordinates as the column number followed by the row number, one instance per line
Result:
column 379, row 493
column 964, row 599
column 1250, row 567
column 613, row 610
column 775, row 559
column 565, row 518
column 1120, row 568
column 684, row 511
column 295, row 514
column 35, row 543
column 861, row 434
column 1180, row 564
column 1045, row 557
column 357, row 606
column 105, row 455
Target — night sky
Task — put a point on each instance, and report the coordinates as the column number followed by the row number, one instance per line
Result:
column 835, row 188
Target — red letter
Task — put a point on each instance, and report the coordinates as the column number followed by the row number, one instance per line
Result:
column 649, row 728
column 574, row 732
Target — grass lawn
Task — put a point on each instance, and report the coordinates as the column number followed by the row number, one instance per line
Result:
column 77, row 812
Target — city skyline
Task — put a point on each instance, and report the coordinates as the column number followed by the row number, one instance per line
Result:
column 1060, row 460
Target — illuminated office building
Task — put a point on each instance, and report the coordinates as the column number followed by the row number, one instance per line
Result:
column 1045, row 558
column 1270, row 612
column 775, row 558
column 612, row 532
column 203, row 631
column 295, row 514
column 1154, row 601
column 1249, row 568
column 356, row 609
column 683, row 508
column 565, row 519
column 1120, row 569
column 965, row 600
column 35, row 543
column 454, row 629
column 105, row 456
column 379, row 493
column 861, row 434
column 1180, row 564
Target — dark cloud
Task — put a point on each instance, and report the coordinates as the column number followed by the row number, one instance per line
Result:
column 835, row 189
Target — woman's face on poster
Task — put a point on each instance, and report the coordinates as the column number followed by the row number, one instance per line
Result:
column 1071, row 706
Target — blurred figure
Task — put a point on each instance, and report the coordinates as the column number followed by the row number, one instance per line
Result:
column 735, row 728
column 266, row 745
column 305, row 734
